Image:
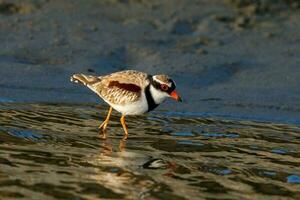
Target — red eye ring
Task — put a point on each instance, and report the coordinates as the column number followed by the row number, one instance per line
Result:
column 164, row 87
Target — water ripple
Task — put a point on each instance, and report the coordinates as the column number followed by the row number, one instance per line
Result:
column 55, row 151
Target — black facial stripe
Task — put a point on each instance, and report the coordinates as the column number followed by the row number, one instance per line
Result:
column 172, row 88
column 157, row 85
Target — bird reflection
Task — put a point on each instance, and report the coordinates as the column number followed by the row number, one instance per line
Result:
column 122, row 144
column 108, row 147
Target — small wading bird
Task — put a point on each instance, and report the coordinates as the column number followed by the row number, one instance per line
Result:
column 129, row 92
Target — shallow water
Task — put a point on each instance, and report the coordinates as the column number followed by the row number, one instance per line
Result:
column 50, row 151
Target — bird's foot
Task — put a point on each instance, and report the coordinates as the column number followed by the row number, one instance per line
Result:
column 125, row 137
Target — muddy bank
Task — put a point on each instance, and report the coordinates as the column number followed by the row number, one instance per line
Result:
column 232, row 58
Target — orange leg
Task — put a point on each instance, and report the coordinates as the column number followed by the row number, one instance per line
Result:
column 124, row 127
column 104, row 124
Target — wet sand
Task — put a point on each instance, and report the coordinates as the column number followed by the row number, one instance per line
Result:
column 229, row 58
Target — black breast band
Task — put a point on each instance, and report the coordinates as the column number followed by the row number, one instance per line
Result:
column 151, row 103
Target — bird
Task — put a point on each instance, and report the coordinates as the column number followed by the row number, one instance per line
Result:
column 129, row 92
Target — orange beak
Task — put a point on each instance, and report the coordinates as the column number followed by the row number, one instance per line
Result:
column 175, row 96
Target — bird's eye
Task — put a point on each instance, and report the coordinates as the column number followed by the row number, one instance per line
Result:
column 164, row 87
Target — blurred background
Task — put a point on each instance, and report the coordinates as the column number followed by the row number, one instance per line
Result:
column 229, row 57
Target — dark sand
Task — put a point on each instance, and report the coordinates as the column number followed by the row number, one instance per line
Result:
column 229, row 58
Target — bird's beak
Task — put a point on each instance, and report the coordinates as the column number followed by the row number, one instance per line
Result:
column 175, row 96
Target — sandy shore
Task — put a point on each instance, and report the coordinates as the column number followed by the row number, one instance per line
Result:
column 230, row 57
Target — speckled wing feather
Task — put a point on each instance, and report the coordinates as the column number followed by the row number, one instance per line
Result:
column 121, row 87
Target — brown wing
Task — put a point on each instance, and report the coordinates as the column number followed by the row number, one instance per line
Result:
column 121, row 87
column 125, row 86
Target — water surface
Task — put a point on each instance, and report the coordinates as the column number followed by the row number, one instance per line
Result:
column 50, row 151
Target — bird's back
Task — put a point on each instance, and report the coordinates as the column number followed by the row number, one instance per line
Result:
column 128, row 77
column 119, row 88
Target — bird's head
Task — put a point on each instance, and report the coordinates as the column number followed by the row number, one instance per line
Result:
column 163, row 87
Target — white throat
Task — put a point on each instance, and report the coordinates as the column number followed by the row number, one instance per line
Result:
column 158, row 96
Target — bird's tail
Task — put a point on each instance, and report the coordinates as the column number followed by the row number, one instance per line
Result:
column 84, row 79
